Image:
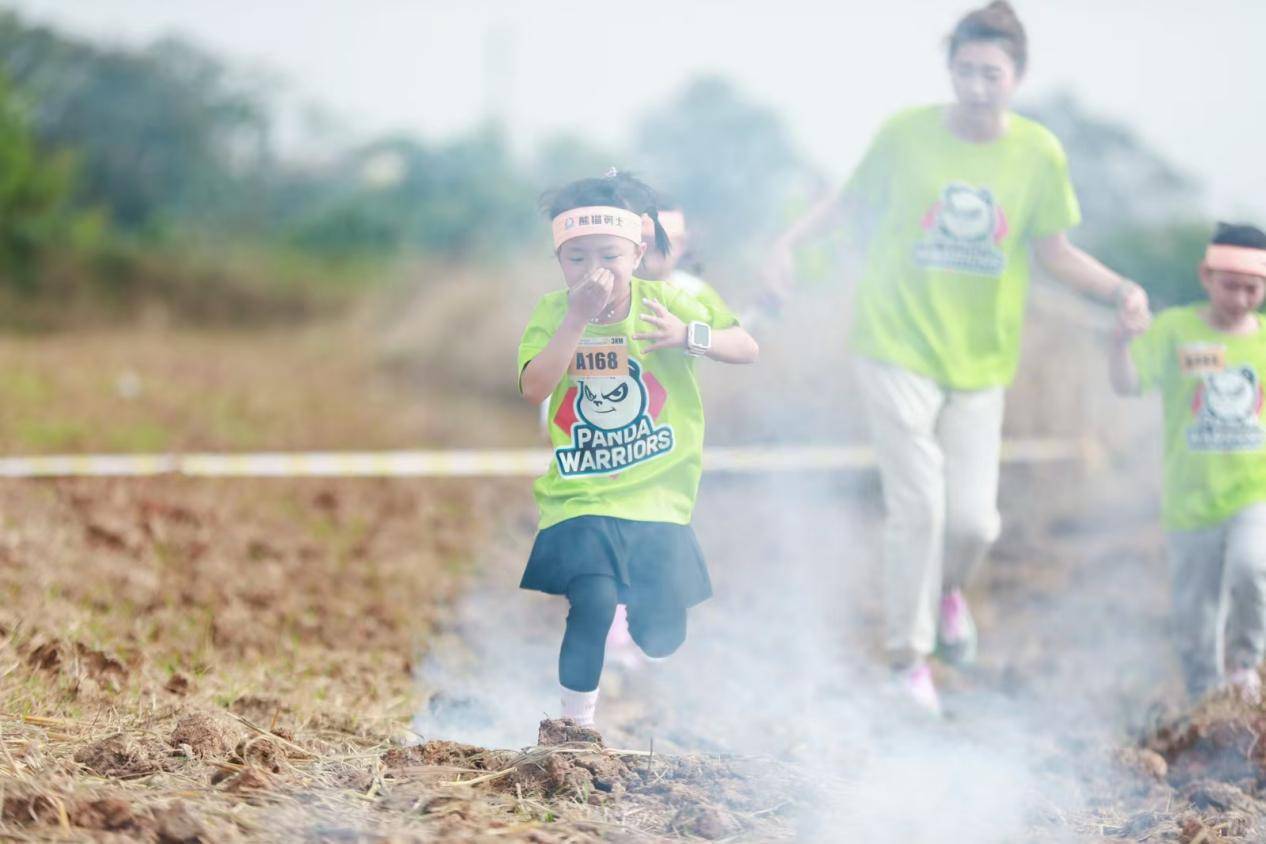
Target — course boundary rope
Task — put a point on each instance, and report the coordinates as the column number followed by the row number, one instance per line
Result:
column 475, row 463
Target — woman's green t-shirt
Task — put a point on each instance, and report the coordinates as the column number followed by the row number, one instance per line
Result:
column 950, row 222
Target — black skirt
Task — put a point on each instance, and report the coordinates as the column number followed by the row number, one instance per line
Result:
column 656, row 563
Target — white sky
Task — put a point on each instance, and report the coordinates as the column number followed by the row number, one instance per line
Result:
column 1188, row 76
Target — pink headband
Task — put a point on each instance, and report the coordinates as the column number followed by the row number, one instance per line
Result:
column 674, row 223
column 1236, row 259
column 597, row 219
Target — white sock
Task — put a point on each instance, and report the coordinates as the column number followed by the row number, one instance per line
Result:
column 580, row 706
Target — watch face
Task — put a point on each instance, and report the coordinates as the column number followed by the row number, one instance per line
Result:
column 701, row 334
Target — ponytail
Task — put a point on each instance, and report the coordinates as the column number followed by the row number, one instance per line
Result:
column 662, row 242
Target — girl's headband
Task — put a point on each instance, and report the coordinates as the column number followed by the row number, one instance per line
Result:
column 597, row 219
column 1236, row 259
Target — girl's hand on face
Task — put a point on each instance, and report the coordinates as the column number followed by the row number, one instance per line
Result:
column 590, row 296
column 670, row 332
column 1134, row 316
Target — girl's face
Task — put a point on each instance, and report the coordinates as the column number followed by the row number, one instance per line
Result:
column 581, row 255
column 984, row 77
column 1232, row 296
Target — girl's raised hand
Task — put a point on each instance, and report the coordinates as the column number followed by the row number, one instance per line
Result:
column 588, row 298
column 670, row 332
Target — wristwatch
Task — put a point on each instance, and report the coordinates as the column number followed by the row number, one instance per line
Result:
column 698, row 339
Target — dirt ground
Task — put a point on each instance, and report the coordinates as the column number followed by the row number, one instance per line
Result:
column 200, row 660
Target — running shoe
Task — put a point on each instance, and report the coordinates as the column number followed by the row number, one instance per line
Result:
column 956, row 631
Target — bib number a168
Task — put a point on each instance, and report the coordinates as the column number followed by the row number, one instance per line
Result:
column 600, row 357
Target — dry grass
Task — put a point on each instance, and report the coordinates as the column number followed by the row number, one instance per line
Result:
column 168, row 639
column 192, row 661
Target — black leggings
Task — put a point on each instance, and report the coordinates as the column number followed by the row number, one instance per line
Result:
column 658, row 630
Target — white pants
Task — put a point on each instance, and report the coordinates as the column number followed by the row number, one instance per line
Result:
column 1219, row 597
column 938, row 452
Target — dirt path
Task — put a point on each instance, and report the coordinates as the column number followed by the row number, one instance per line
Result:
column 782, row 664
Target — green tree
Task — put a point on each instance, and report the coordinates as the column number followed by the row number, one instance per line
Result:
column 34, row 192
column 464, row 199
column 162, row 133
column 730, row 162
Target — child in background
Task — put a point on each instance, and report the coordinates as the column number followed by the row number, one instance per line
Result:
column 1208, row 360
column 615, row 357
column 666, row 265
column 661, row 265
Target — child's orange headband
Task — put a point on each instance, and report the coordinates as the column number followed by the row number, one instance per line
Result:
column 1236, row 259
column 597, row 219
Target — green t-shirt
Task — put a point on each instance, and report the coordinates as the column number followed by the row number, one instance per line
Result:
column 632, row 446
column 698, row 288
column 947, row 269
column 1215, row 442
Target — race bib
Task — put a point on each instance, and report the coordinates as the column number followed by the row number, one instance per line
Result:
column 600, row 357
column 1199, row 359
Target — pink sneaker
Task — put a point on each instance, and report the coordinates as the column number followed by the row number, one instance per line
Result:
column 956, row 631
column 1246, row 683
column 916, row 683
column 621, row 649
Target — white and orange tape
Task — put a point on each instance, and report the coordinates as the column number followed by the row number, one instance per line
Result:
column 477, row 463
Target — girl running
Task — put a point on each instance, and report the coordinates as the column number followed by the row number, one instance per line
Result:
column 615, row 357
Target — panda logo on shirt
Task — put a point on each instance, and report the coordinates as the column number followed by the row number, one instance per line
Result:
column 612, row 403
column 1228, row 408
column 963, row 232
column 966, row 214
column 614, row 430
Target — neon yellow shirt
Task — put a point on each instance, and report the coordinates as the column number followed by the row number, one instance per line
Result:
column 1215, row 442
column 698, row 288
column 632, row 446
column 950, row 222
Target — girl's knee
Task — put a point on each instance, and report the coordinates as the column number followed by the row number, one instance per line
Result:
column 658, row 634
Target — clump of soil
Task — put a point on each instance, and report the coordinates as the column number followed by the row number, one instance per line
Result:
column 261, row 751
column 1142, row 762
column 261, row 709
column 120, row 755
column 1219, row 740
column 25, row 809
column 110, row 814
column 565, row 731
column 206, row 736
column 446, row 753
column 100, row 665
column 178, row 684
column 251, row 778
column 175, row 824
column 553, row 775
column 1209, row 761
column 707, row 822
column 46, row 656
